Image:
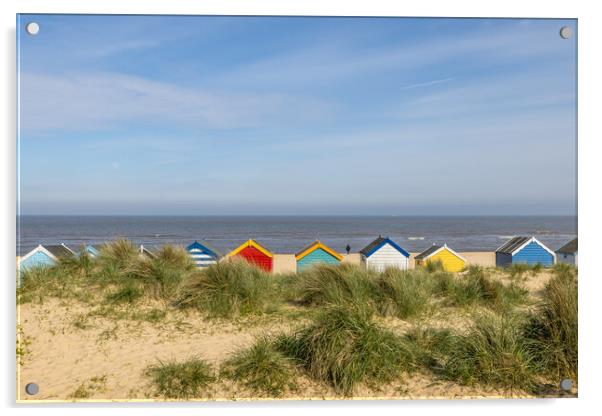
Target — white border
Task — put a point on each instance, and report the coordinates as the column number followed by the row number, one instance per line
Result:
column 590, row 149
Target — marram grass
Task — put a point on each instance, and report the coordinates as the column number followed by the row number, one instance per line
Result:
column 262, row 369
column 188, row 379
column 552, row 329
column 229, row 289
column 343, row 348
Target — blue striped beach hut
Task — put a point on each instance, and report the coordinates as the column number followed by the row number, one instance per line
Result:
column 202, row 255
column 527, row 250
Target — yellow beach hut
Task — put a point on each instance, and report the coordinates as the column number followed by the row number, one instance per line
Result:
column 452, row 261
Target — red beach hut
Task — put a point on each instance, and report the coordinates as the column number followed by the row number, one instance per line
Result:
column 254, row 253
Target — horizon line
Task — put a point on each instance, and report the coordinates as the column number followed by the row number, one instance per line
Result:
column 295, row 215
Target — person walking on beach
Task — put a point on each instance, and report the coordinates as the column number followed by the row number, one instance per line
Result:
column 348, row 249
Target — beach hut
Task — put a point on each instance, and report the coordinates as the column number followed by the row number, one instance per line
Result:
column 567, row 253
column 316, row 253
column 451, row 261
column 527, row 250
column 45, row 255
column 383, row 253
column 255, row 253
column 93, row 250
column 202, row 255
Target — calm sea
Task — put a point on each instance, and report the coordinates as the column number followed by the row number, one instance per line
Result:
column 288, row 234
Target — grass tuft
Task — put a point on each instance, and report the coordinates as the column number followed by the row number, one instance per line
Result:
column 493, row 353
column 262, row 369
column 163, row 274
column 553, row 327
column 343, row 348
column 181, row 380
column 228, row 289
column 129, row 293
column 327, row 284
column 403, row 294
column 475, row 286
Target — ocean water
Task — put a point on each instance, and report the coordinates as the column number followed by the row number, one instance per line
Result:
column 289, row 234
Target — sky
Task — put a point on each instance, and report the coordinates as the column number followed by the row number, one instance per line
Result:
column 182, row 115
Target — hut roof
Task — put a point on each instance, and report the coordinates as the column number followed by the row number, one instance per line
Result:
column 204, row 247
column 59, row 250
column 517, row 243
column 315, row 246
column 250, row 243
column 428, row 252
column 378, row 243
column 568, row 248
column 432, row 250
column 511, row 245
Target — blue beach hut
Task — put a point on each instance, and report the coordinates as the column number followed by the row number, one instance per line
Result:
column 316, row 253
column 202, row 255
column 92, row 249
column 526, row 250
column 44, row 256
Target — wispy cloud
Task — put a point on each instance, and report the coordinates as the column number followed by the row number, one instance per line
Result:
column 338, row 59
column 100, row 100
column 426, row 84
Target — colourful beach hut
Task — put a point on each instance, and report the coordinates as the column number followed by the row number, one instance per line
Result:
column 527, row 250
column 383, row 253
column 92, row 249
column 567, row 253
column 316, row 253
column 255, row 253
column 202, row 255
column 451, row 261
column 45, row 255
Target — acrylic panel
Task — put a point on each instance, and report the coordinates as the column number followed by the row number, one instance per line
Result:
column 251, row 208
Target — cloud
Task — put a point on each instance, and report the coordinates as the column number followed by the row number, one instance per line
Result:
column 338, row 59
column 426, row 84
column 91, row 101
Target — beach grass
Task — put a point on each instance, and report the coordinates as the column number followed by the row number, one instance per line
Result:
column 129, row 293
column 553, row 328
column 494, row 353
column 262, row 369
column 403, row 294
column 476, row 286
column 162, row 275
column 229, row 289
column 188, row 379
column 327, row 285
column 40, row 282
column 393, row 292
column 343, row 347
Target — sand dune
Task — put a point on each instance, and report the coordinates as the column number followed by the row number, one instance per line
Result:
column 105, row 358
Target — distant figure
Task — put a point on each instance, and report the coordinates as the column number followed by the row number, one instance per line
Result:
column 348, row 249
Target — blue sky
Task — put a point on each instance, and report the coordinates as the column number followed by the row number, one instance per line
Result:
column 256, row 115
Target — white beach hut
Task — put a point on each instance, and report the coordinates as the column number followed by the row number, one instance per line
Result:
column 383, row 253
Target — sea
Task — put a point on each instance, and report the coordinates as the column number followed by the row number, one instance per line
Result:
column 289, row 234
